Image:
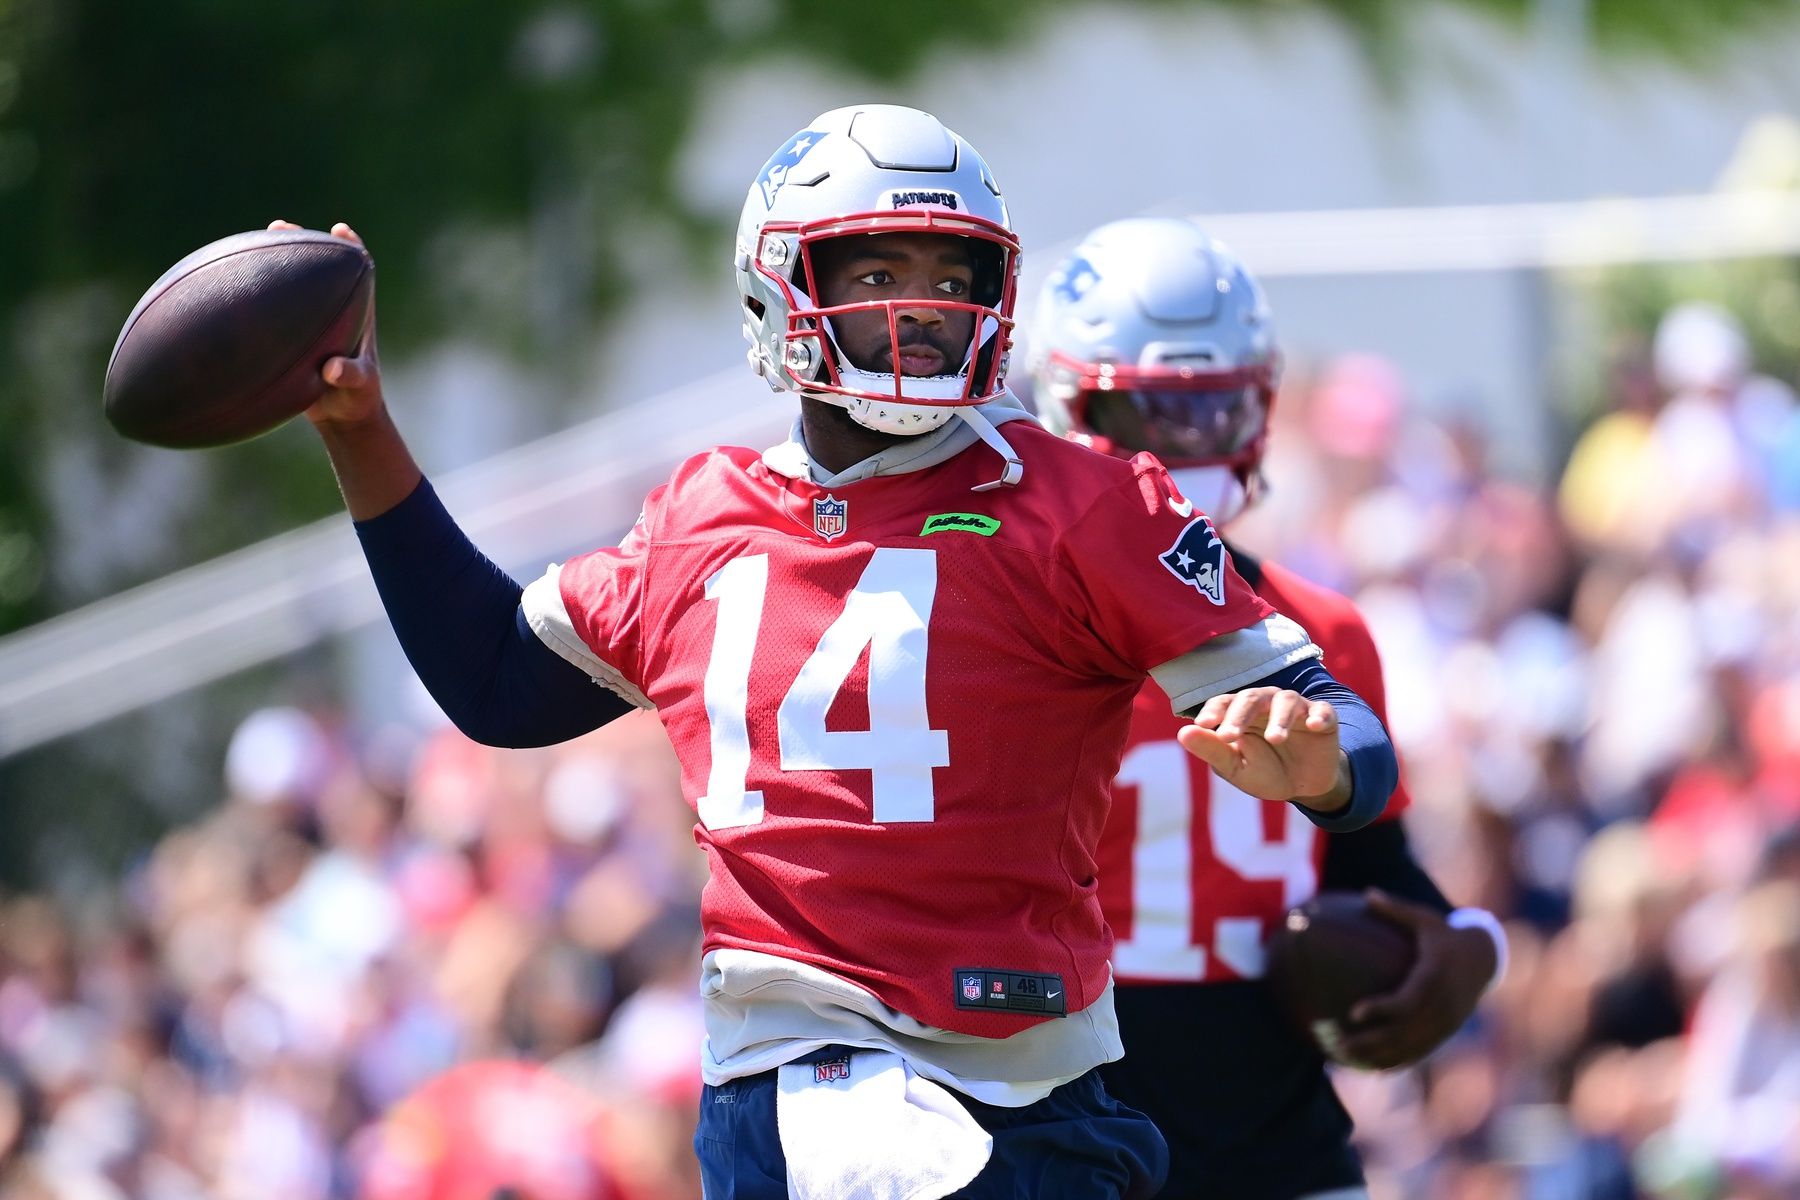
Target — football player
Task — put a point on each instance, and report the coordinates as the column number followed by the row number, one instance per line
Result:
column 896, row 656
column 1152, row 337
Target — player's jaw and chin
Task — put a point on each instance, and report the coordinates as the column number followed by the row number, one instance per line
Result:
column 892, row 303
column 923, row 351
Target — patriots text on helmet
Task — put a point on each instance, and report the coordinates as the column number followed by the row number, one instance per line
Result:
column 905, row 199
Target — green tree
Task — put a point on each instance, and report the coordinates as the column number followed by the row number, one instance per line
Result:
column 1623, row 305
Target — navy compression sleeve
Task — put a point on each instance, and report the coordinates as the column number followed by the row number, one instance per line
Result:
column 1379, row 856
column 1374, row 771
column 458, row 619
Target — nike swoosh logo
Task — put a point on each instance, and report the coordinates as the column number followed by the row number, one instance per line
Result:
column 1051, row 995
column 1183, row 509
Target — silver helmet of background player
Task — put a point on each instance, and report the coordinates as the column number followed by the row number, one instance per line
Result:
column 1152, row 336
column 862, row 170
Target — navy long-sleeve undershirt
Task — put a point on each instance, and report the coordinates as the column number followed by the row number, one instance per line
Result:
column 458, row 619
column 1380, row 856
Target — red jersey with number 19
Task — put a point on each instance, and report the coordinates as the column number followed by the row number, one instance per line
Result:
column 1195, row 874
column 899, row 704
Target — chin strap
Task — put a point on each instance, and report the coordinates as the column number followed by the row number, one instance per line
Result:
column 1014, row 470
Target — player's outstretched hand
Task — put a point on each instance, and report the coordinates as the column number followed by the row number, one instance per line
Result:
column 352, row 385
column 1274, row 744
column 1450, row 970
column 375, row 470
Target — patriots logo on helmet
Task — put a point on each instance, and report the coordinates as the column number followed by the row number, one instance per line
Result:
column 1198, row 558
column 775, row 171
column 1074, row 279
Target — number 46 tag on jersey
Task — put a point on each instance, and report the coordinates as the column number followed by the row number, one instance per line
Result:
column 1010, row 991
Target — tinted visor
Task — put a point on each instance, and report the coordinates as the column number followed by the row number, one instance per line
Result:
column 1180, row 427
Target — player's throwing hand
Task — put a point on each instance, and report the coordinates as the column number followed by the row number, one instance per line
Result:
column 353, row 385
column 375, row 470
column 1274, row 744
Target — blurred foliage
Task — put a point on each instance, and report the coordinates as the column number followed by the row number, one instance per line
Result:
column 487, row 149
column 1693, row 34
column 1621, row 306
column 1626, row 303
column 1680, row 31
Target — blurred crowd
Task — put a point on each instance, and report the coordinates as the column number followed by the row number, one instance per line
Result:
column 494, row 950
column 385, row 949
column 1595, row 687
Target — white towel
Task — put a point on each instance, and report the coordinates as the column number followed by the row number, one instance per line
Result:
column 866, row 1127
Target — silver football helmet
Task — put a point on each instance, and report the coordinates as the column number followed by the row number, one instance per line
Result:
column 1152, row 336
column 873, row 168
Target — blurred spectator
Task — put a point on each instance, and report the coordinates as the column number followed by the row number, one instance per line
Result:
column 1784, row 464
column 492, row 1129
column 1612, row 472
column 1740, row 1101
column 1627, row 901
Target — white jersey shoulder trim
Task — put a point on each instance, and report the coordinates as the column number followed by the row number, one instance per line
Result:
column 1229, row 662
column 549, row 619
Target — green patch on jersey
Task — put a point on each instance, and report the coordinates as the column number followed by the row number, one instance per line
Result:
column 966, row 522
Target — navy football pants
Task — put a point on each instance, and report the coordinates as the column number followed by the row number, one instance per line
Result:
column 1077, row 1143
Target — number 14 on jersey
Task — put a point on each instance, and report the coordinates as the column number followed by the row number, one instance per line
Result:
column 889, row 613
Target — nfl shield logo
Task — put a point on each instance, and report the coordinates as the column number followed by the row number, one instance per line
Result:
column 829, row 520
column 971, row 987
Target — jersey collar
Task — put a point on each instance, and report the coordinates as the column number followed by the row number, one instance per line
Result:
column 791, row 460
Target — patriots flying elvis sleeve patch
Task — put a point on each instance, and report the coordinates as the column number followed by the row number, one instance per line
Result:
column 1198, row 558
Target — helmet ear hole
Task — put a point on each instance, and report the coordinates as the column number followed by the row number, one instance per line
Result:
column 757, row 307
column 988, row 357
column 988, row 284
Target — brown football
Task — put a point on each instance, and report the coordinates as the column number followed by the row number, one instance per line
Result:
column 1331, row 952
column 228, row 344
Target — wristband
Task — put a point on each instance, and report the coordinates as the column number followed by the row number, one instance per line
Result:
column 1488, row 923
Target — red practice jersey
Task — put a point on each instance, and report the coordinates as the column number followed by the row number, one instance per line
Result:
column 899, row 704
column 1194, row 873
